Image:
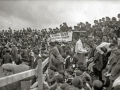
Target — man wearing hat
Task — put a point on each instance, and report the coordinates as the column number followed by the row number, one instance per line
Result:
column 54, row 52
column 59, row 47
column 19, row 85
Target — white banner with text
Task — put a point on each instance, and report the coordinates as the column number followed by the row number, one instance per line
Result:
column 63, row 36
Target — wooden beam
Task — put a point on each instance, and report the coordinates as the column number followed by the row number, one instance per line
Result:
column 20, row 76
column 16, row 77
column 40, row 75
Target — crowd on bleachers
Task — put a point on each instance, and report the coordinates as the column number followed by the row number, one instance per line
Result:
column 82, row 64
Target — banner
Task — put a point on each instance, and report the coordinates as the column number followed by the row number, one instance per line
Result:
column 63, row 36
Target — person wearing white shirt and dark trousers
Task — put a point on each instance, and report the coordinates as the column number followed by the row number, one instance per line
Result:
column 80, row 51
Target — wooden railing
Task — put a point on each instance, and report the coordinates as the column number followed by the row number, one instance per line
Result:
column 23, row 75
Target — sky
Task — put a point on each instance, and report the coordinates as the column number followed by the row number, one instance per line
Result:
column 41, row 14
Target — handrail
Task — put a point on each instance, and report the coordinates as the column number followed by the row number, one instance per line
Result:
column 20, row 76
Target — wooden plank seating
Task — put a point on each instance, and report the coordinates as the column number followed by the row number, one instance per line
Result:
column 23, row 75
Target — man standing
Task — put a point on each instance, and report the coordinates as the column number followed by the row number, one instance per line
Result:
column 80, row 51
column 59, row 47
column 14, row 52
column 54, row 53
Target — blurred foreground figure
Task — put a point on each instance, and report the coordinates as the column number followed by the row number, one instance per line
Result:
column 19, row 85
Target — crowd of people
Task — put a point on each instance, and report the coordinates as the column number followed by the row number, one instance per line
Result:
column 81, row 64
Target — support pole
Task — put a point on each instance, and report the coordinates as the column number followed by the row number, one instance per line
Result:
column 40, row 75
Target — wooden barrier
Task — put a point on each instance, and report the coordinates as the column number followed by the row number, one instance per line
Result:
column 16, row 77
column 40, row 75
column 20, row 76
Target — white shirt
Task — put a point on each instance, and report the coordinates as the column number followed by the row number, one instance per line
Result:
column 79, row 47
column 116, row 82
column 103, row 44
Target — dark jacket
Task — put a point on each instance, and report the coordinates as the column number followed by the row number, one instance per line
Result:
column 69, row 62
column 91, row 54
column 3, row 51
column 7, row 58
column 14, row 53
column 55, row 52
column 98, row 60
column 115, row 68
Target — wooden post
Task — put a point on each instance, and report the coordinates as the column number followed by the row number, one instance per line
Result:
column 40, row 75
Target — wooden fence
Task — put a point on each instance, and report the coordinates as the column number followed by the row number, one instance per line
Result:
column 23, row 75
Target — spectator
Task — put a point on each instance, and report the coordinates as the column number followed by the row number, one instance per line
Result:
column 7, row 58
column 71, row 61
column 113, row 71
column 54, row 51
column 68, row 76
column 79, row 51
column 77, row 82
column 97, row 85
column 14, row 53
